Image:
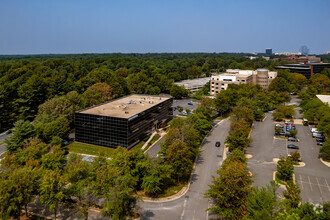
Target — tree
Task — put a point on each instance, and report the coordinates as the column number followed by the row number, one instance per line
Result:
column 120, row 199
column 293, row 132
column 263, row 203
column 57, row 128
column 324, row 125
column 18, row 187
column 291, row 195
column 22, row 131
column 179, row 157
column 54, row 159
column 52, row 190
column 283, row 112
column 295, row 155
column 279, row 84
column 229, row 191
column 325, row 150
column 96, row 94
column 285, row 168
column 277, row 130
column 178, row 92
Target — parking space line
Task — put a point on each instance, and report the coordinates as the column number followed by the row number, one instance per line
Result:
column 319, row 189
column 302, row 185
column 310, row 184
column 327, row 183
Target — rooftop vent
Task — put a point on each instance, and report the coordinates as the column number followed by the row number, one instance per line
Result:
column 160, row 98
column 151, row 102
column 126, row 112
column 124, row 107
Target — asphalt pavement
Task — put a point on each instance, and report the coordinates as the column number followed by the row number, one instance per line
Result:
column 313, row 179
column 153, row 152
column 192, row 205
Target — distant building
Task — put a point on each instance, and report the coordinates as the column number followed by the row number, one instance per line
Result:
column 194, row 84
column 304, row 50
column 307, row 69
column 301, row 59
column 261, row 77
column 269, row 51
column 122, row 122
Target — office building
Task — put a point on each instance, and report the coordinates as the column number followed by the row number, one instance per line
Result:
column 269, row 51
column 194, row 84
column 307, row 69
column 122, row 122
column 304, row 50
column 300, row 59
column 261, row 77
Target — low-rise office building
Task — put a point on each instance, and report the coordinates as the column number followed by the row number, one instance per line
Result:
column 261, row 77
column 194, row 84
column 122, row 122
column 307, row 69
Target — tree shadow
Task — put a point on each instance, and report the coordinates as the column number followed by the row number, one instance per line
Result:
column 194, row 178
column 146, row 214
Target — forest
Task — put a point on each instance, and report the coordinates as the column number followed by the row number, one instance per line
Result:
column 28, row 81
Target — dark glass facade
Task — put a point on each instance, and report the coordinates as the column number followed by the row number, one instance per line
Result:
column 126, row 132
column 305, row 69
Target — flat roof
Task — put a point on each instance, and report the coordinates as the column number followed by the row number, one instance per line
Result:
column 324, row 98
column 125, row 107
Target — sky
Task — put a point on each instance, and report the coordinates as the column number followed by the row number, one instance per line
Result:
column 148, row 26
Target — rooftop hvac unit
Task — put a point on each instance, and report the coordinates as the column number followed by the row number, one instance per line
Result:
column 151, row 102
column 160, row 98
column 126, row 112
column 124, row 107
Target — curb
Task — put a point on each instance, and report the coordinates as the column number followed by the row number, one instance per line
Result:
column 325, row 162
column 184, row 189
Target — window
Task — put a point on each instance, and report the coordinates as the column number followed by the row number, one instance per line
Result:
column 227, row 80
column 212, row 86
column 216, row 92
column 222, row 84
column 212, row 82
column 217, row 84
column 243, row 80
column 217, row 87
column 212, row 90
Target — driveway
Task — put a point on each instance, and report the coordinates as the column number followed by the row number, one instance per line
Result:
column 153, row 151
column 192, row 205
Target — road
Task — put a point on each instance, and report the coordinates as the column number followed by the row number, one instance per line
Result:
column 153, row 152
column 192, row 205
column 3, row 146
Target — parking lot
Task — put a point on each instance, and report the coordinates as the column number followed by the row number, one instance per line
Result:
column 313, row 178
column 184, row 104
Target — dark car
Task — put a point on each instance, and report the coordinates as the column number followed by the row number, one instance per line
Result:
column 319, row 143
column 320, row 139
column 189, row 103
column 217, row 144
column 292, row 146
column 292, row 139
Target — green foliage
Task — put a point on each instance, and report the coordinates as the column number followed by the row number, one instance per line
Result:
column 179, row 157
column 291, row 195
column 263, row 203
column 54, row 159
column 293, row 132
column 179, row 92
column 22, row 130
column 96, row 94
column 120, row 199
column 283, row 111
column 325, row 150
column 285, row 168
column 295, row 155
column 52, row 190
column 324, row 125
column 57, row 128
column 314, row 109
column 229, row 191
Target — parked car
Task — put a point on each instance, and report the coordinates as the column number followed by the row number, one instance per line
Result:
column 217, row 144
column 288, row 122
column 189, row 103
column 320, row 139
column 279, row 125
column 283, row 133
column 305, row 121
column 292, row 139
column 313, row 130
column 319, row 143
column 317, row 135
column 292, row 146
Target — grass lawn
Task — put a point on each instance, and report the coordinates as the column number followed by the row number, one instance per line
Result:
column 82, row 148
column 140, row 144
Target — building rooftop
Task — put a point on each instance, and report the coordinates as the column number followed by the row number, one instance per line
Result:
column 125, row 107
column 193, row 82
column 324, row 98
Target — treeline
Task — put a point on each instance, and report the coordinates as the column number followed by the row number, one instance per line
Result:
column 27, row 82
